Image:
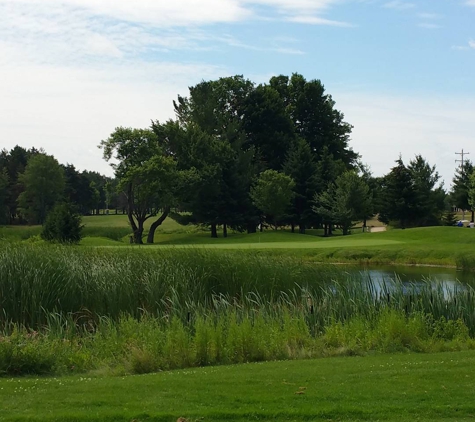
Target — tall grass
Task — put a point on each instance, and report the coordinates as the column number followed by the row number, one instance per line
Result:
column 36, row 281
column 144, row 309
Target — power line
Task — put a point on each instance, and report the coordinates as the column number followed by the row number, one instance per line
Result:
column 462, row 161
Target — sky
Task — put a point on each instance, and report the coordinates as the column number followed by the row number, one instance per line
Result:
column 402, row 72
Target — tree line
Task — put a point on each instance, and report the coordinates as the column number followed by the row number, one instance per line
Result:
column 32, row 182
column 238, row 156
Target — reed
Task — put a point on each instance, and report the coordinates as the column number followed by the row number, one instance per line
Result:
column 141, row 310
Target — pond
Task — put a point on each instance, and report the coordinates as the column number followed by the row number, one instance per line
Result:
column 412, row 276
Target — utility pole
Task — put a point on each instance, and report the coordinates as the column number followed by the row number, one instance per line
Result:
column 462, row 161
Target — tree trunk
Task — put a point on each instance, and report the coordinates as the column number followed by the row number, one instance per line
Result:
column 156, row 223
column 473, row 212
column 364, row 225
column 138, row 233
column 225, row 230
column 325, row 230
column 137, row 228
column 330, row 229
column 214, row 231
column 292, row 227
column 302, row 228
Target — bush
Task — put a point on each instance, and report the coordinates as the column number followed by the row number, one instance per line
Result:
column 63, row 225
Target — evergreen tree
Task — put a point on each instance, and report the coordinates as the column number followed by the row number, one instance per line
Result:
column 430, row 197
column 63, row 225
column 344, row 202
column 398, row 196
column 301, row 166
column 461, row 186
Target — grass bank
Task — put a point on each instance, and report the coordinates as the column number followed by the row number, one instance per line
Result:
column 399, row 387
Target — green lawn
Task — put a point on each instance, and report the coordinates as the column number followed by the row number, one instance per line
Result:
column 447, row 246
column 401, row 387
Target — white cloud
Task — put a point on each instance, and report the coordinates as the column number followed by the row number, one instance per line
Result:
column 428, row 25
column 470, row 45
column 399, row 5
column 291, row 51
column 316, row 20
column 470, row 2
column 163, row 13
column 429, row 16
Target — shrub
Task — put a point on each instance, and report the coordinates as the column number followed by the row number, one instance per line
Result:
column 63, row 225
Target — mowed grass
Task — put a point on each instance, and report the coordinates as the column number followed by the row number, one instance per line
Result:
column 446, row 246
column 399, row 387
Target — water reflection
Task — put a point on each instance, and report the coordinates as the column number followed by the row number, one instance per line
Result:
column 414, row 279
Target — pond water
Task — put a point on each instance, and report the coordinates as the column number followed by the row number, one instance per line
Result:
column 385, row 276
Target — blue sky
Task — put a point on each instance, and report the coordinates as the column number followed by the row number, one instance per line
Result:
column 401, row 71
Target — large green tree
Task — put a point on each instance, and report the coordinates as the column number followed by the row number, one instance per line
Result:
column 430, row 195
column 272, row 194
column 398, row 196
column 213, row 141
column 43, row 184
column 146, row 175
column 315, row 117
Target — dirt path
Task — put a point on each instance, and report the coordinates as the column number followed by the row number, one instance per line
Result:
column 377, row 229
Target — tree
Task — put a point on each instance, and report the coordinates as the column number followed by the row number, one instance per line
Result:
column 471, row 190
column 4, row 182
column 146, row 175
column 43, row 184
column 302, row 167
column 373, row 185
column 272, row 194
column 63, row 225
column 213, row 141
column 461, row 186
column 268, row 126
column 344, row 202
column 315, row 117
column 14, row 161
column 430, row 197
column 398, row 196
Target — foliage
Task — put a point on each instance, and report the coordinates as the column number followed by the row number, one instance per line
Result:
column 471, row 190
column 4, row 182
column 272, row 194
column 63, row 225
column 449, row 218
column 43, row 183
column 411, row 196
column 461, row 186
column 346, row 201
column 146, row 176
column 430, row 197
column 301, row 166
